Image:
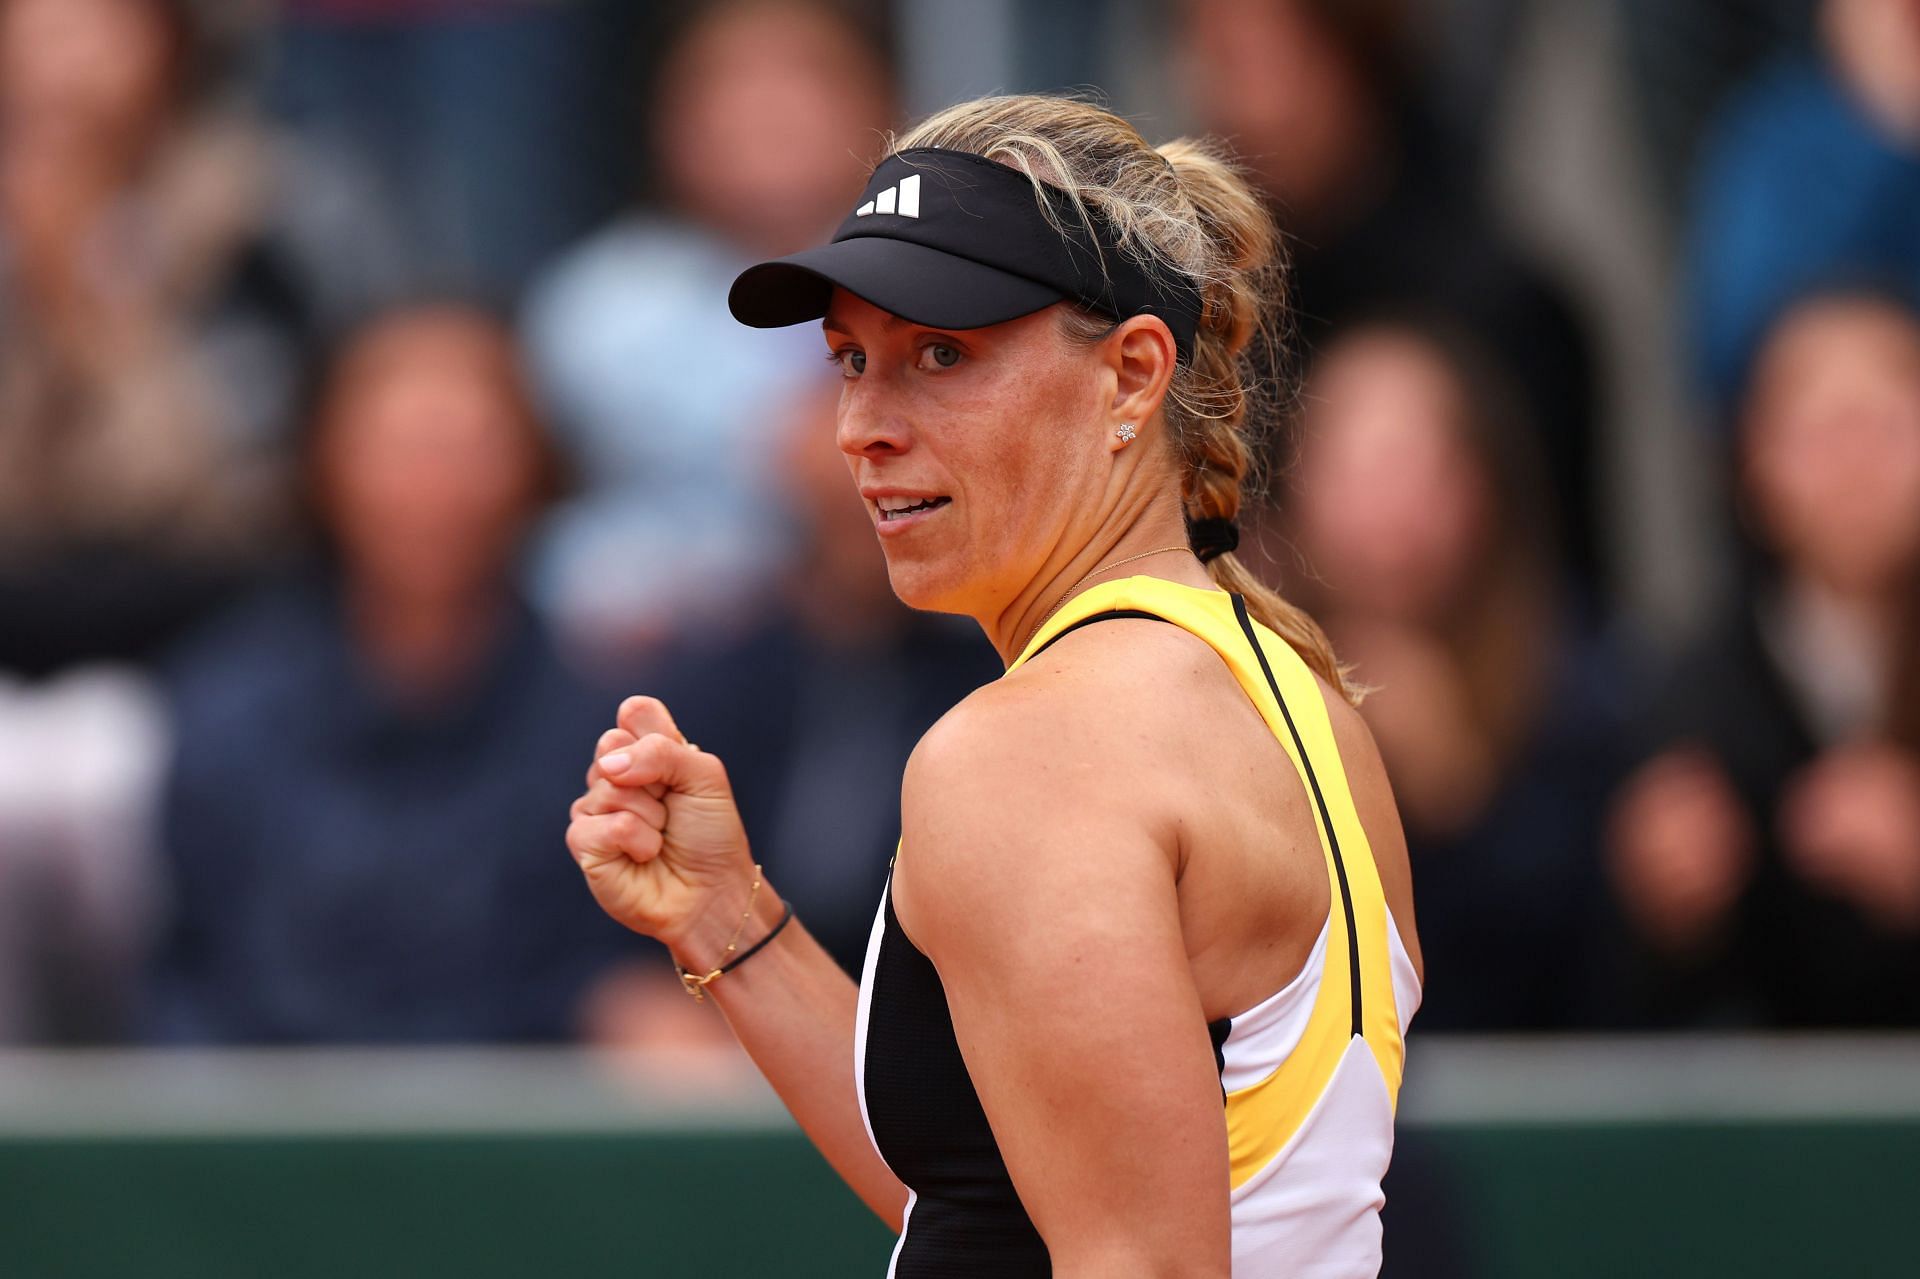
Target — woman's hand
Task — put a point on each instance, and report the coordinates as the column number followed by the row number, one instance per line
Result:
column 1850, row 823
column 660, row 842
column 659, row 838
column 1680, row 848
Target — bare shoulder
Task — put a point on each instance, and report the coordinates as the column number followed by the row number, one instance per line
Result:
column 1065, row 755
column 1379, row 815
column 1067, row 708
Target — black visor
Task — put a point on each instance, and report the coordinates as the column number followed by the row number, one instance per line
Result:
column 956, row 241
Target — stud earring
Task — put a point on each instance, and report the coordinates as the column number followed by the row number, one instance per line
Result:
column 1126, row 432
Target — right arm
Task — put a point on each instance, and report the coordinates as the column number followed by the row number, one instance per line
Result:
column 660, row 842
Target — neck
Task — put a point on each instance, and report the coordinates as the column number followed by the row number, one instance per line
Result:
column 1838, row 652
column 1151, row 525
column 422, row 644
column 80, row 163
column 1873, row 608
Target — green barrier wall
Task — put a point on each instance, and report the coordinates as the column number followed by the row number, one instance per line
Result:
column 1694, row 1200
column 327, row 1208
column 1516, row 1160
column 1682, row 1199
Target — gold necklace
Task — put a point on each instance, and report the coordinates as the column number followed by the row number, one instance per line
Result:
column 1071, row 590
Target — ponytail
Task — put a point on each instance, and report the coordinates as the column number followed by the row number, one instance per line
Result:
column 1213, row 401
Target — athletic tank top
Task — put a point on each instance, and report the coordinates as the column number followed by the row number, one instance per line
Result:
column 1308, row 1076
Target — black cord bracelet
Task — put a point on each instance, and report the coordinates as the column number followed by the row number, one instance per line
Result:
column 697, row 985
column 786, row 914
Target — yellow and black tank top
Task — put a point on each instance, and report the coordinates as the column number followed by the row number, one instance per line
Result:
column 1309, row 1076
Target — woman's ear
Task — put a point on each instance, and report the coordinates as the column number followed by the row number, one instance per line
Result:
column 1141, row 353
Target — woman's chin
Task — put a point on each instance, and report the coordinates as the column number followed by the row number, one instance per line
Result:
column 924, row 586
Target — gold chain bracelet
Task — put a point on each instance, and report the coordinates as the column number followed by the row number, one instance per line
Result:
column 696, row 983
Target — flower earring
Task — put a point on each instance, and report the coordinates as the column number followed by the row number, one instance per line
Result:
column 1126, row 432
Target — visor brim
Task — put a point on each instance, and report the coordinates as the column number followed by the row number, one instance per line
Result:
column 921, row 285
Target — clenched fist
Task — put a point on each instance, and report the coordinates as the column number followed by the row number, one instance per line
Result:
column 658, row 836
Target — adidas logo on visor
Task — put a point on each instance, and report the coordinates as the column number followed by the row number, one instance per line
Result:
column 903, row 200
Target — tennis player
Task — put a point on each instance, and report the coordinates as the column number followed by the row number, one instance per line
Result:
column 1136, row 992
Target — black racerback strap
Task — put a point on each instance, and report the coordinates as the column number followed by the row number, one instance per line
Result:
column 1313, row 781
column 1320, row 801
column 1111, row 615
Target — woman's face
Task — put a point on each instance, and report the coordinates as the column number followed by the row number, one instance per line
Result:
column 754, row 118
column 1393, row 508
column 1832, row 443
column 995, row 441
column 90, row 71
column 1267, row 75
column 428, row 467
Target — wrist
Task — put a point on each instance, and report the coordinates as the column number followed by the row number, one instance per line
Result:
column 736, row 917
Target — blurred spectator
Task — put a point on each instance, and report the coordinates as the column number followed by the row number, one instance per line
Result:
column 164, row 266
column 1768, row 859
column 1383, row 212
column 765, row 111
column 1813, row 174
column 816, row 706
column 1419, row 508
column 490, row 123
column 80, row 762
column 1684, row 60
column 373, row 769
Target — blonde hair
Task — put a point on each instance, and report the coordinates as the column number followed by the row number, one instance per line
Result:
column 1180, row 209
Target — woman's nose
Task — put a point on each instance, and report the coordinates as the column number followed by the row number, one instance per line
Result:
column 868, row 424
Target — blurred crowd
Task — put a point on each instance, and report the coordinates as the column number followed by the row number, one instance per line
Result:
column 371, row 421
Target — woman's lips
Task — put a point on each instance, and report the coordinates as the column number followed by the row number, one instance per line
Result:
column 900, row 519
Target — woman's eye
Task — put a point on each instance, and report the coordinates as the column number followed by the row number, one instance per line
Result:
column 852, row 363
column 939, row 355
